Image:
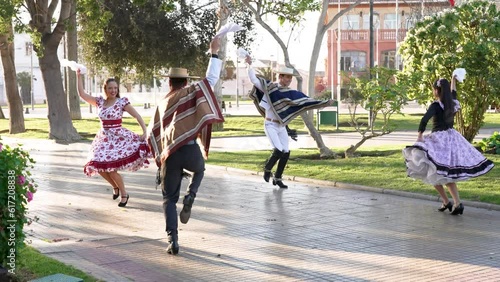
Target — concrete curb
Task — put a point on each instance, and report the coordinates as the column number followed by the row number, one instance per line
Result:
column 341, row 185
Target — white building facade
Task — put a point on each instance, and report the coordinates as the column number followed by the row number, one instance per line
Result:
column 26, row 61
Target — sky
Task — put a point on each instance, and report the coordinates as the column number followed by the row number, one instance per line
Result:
column 300, row 45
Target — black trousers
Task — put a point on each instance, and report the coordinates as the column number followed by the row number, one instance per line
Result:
column 187, row 157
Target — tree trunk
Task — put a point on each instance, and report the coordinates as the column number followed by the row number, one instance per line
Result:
column 470, row 130
column 349, row 153
column 49, row 35
column 223, row 16
column 324, row 151
column 61, row 127
column 14, row 102
column 72, row 49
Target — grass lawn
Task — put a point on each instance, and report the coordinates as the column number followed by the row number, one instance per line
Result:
column 31, row 264
column 381, row 167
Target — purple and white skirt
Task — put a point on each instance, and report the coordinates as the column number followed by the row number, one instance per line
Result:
column 444, row 157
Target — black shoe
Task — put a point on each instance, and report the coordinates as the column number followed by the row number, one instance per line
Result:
column 173, row 246
column 277, row 181
column 443, row 207
column 267, row 175
column 115, row 196
column 186, row 210
column 458, row 210
column 120, row 204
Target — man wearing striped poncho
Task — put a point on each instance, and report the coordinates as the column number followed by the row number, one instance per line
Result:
column 185, row 114
column 279, row 105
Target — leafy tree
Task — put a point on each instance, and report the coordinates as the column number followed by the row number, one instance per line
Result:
column 47, row 32
column 70, row 75
column 7, row 13
column 292, row 12
column 238, row 14
column 324, row 23
column 286, row 11
column 384, row 94
column 464, row 37
column 145, row 35
column 149, row 36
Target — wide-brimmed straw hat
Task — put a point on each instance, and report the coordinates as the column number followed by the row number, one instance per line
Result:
column 179, row 73
column 284, row 70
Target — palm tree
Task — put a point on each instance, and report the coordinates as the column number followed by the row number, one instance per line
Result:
column 24, row 81
column 266, row 73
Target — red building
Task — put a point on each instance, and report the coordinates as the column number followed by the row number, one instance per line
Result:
column 391, row 20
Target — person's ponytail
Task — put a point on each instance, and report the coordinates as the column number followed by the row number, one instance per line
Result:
column 444, row 92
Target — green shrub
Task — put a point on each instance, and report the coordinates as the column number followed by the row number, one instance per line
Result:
column 324, row 95
column 491, row 145
column 16, row 190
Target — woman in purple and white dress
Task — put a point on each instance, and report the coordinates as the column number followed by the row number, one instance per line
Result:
column 444, row 157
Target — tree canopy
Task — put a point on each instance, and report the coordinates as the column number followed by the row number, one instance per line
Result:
column 382, row 92
column 151, row 35
column 466, row 36
column 292, row 12
column 144, row 35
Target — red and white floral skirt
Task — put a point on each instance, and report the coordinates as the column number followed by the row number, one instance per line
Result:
column 116, row 149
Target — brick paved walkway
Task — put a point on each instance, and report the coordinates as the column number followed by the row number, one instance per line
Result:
column 243, row 229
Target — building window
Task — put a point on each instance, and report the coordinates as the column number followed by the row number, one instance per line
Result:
column 366, row 21
column 353, row 61
column 350, row 22
column 410, row 23
column 389, row 59
column 390, row 21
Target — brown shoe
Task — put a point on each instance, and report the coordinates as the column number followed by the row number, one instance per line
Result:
column 186, row 210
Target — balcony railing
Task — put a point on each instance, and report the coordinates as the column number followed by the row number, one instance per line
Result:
column 331, row 2
column 364, row 35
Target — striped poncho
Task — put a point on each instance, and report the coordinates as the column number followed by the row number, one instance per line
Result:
column 286, row 103
column 182, row 116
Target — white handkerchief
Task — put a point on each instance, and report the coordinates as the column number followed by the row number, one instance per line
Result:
column 242, row 53
column 74, row 66
column 229, row 27
column 460, row 73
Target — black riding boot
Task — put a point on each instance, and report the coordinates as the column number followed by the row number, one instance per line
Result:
column 279, row 170
column 173, row 244
column 275, row 156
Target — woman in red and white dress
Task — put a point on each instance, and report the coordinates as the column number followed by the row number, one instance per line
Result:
column 114, row 147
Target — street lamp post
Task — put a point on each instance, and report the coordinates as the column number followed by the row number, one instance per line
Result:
column 237, row 82
column 271, row 66
column 31, row 77
column 372, row 59
column 339, row 57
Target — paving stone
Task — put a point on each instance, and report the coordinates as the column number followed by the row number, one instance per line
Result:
column 243, row 229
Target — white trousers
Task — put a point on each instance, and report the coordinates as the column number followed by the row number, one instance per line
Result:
column 277, row 134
